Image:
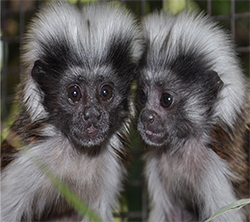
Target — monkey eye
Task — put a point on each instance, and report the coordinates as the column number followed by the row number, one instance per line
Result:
column 106, row 92
column 142, row 96
column 166, row 100
column 74, row 93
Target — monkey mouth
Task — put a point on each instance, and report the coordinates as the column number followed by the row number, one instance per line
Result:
column 153, row 138
column 149, row 133
column 91, row 131
column 90, row 136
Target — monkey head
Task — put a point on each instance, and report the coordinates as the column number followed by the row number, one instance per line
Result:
column 81, row 75
column 176, row 101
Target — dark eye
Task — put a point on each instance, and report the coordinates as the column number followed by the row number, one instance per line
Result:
column 106, row 92
column 74, row 93
column 166, row 100
column 142, row 97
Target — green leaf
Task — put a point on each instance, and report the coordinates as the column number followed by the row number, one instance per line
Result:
column 174, row 6
column 177, row 6
column 82, row 1
column 234, row 206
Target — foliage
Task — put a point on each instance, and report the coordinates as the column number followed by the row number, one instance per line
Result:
column 234, row 206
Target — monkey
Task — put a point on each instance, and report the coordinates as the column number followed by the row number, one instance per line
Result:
column 75, row 108
column 193, row 117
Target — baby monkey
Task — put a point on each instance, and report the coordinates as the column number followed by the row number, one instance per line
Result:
column 75, row 109
column 194, row 116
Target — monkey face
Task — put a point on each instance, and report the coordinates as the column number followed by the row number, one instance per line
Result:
column 157, row 114
column 173, row 109
column 85, row 105
column 80, row 68
column 87, row 111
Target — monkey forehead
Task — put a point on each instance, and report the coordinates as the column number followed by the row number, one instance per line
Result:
column 159, row 75
column 110, row 22
column 86, row 74
column 89, row 33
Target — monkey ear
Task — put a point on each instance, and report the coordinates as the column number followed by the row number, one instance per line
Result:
column 215, row 81
column 38, row 72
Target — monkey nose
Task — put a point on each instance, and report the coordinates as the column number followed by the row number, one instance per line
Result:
column 148, row 116
column 151, row 118
column 91, row 114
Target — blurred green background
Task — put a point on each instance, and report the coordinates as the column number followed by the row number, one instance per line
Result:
column 15, row 15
